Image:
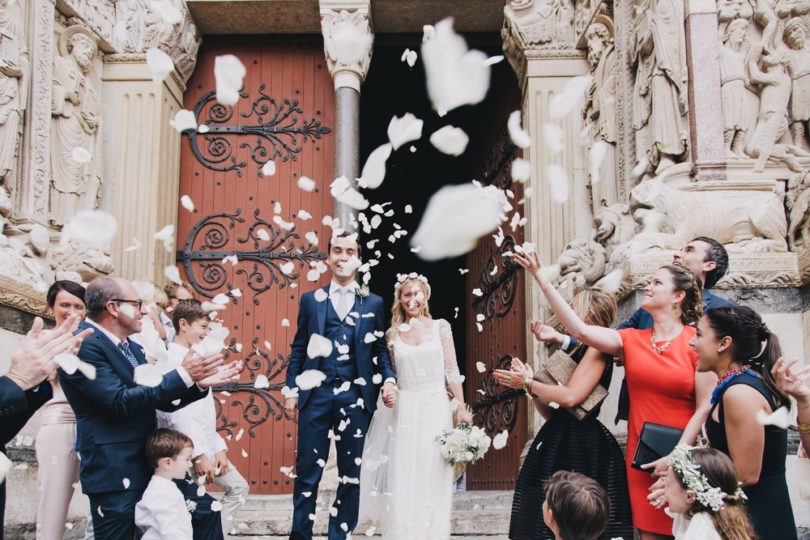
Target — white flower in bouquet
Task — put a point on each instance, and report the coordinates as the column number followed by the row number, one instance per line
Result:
column 463, row 444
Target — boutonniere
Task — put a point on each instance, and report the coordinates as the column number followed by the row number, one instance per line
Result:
column 362, row 292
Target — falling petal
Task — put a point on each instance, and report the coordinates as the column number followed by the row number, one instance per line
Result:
column 88, row 370
column 408, row 209
column 569, row 97
column 477, row 292
column 166, row 235
column 480, row 367
column 409, row 56
column 612, row 282
column 173, row 274
column 159, row 63
column 553, row 137
column 455, row 75
column 183, row 120
column 312, row 238
column 455, row 217
column 428, row 32
column 374, row 170
column 68, row 362
column 309, row 379
column 321, row 295
column 236, row 293
column 285, row 323
column 549, row 273
column 80, row 155
column 463, row 271
column 306, row 184
column 450, row 140
column 492, row 60
column 136, row 244
column 479, row 326
column 261, row 382
column 287, row 268
column 779, row 418
column 203, row 128
column 499, row 440
column 404, row 130
column 269, row 168
column 148, row 375
column 125, row 481
column 518, row 135
column 597, row 155
column 94, row 228
column 287, row 392
column 557, row 183
column 263, row 235
column 286, row 225
column 187, row 203
column 229, row 73
column 319, row 346
column 303, row 215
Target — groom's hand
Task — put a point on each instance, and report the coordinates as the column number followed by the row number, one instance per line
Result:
column 291, row 404
column 389, row 394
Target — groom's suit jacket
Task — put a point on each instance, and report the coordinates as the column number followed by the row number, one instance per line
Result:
column 371, row 357
column 115, row 414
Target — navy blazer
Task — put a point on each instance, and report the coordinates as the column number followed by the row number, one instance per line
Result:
column 115, row 415
column 642, row 320
column 18, row 406
column 371, row 357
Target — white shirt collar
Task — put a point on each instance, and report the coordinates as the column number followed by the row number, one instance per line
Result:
column 333, row 286
column 115, row 339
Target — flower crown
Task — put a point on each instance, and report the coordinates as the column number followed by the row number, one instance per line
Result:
column 710, row 497
column 402, row 278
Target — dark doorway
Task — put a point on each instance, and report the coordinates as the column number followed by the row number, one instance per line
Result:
column 417, row 170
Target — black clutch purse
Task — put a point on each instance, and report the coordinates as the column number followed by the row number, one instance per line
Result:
column 655, row 442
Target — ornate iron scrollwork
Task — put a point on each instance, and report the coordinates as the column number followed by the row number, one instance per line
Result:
column 259, row 404
column 497, row 410
column 277, row 123
column 499, row 290
column 266, row 256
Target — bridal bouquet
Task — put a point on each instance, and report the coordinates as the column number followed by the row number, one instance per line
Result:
column 463, row 444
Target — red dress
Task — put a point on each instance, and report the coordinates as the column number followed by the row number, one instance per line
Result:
column 661, row 388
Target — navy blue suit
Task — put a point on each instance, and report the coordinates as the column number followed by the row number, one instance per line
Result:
column 328, row 408
column 114, row 416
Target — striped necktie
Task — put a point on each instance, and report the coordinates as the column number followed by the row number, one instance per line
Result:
column 124, row 347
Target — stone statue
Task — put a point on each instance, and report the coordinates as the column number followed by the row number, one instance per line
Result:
column 128, row 25
column 614, row 226
column 544, row 23
column 739, row 103
column 158, row 32
column 798, row 205
column 12, row 68
column 76, row 261
column 772, row 122
column 75, row 128
column 798, row 66
column 640, row 58
column 185, row 52
column 582, row 263
column 728, row 10
column 600, row 106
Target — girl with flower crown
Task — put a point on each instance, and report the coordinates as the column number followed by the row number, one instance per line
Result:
column 736, row 344
column 702, row 491
column 406, row 486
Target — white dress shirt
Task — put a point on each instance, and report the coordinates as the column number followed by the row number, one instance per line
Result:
column 162, row 513
column 198, row 419
column 342, row 297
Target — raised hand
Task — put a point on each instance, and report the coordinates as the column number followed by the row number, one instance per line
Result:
column 791, row 381
column 199, row 368
column 529, row 261
column 222, row 375
column 546, row 333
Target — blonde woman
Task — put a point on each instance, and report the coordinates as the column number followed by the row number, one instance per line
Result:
column 406, row 487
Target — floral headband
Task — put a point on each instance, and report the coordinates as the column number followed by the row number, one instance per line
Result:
column 695, row 481
column 402, row 278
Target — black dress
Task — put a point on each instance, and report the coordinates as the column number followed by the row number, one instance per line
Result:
column 564, row 443
column 768, row 500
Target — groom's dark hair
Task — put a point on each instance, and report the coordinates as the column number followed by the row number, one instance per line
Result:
column 346, row 234
column 579, row 505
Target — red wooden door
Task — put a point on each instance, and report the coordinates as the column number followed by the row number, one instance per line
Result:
column 502, row 335
column 284, row 114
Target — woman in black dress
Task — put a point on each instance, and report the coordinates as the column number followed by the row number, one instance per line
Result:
column 565, row 443
column 739, row 348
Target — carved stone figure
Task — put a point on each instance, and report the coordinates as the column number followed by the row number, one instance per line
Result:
column 600, row 106
column 798, row 66
column 128, row 24
column 614, row 226
column 13, row 65
column 77, row 261
column 582, row 263
column 798, row 205
column 728, row 10
column 542, row 23
column 347, row 41
column 739, row 103
column 75, row 128
column 185, row 52
column 772, row 122
column 158, row 31
column 640, row 58
column 752, row 220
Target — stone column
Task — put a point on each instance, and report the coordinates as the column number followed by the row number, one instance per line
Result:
column 141, row 162
column 348, row 39
column 705, row 96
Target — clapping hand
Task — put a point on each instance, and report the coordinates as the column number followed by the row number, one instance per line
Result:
column 199, row 368
column 514, row 377
column 791, row 381
column 223, row 375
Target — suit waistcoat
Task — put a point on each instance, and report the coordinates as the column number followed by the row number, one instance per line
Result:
column 339, row 365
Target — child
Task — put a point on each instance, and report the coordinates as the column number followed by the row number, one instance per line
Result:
column 576, row 506
column 162, row 513
column 703, row 492
column 198, row 420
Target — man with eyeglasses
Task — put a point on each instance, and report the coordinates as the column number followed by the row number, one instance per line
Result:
column 115, row 414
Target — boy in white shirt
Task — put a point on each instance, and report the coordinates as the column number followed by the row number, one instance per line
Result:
column 162, row 513
column 198, row 420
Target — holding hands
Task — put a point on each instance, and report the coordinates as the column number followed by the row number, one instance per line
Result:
column 389, row 394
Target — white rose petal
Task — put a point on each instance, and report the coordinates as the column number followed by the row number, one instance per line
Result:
column 319, row 346
column 287, row 268
column 477, row 292
column 557, row 182
column 269, row 168
column 612, row 282
column 286, row 225
column 303, row 215
column 567, row 99
column 159, row 63
column 126, row 483
column 320, row 295
column 80, row 155
column 173, row 274
column 166, row 235
column 167, row 11
column 183, row 120
column 499, row 441
column 68, row 362
column 374, row 170
column 409, row 56
column 136, row 245
column 404, row 130
column 780, row 418
column 549, row 273
column 285, row 323
column 187, row 203
column 553, row 137
column 306, row 184
column 480, row 367
column 148, row 375
column 94, row 228
column 261, row 382
column 216, row 506
column 88, row 370
column 516, row 132
column 229, row 73
column 450, row 140
column 597, row 155
column 309, row 379
column 236, row 293
column 408, row 209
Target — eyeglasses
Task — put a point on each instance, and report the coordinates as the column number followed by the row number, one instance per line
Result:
column 136, row 303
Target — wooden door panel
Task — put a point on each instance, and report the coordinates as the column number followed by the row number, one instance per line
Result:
column 285, row 113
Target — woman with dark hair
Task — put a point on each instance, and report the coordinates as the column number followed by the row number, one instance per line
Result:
column 736, row 344
column 660, row 369
column 56, row 440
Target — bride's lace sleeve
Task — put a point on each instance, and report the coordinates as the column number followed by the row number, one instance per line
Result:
column 450, row 363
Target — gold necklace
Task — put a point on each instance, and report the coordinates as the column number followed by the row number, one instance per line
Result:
column 659, row 349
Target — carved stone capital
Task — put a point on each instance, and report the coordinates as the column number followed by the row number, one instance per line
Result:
column 22, row 296
column 347, row 40
column 530, row 26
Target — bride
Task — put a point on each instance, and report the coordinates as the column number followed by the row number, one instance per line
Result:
column 406, row 487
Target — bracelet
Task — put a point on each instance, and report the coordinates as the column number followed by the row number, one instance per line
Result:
column 527, row 386
column 804, row 428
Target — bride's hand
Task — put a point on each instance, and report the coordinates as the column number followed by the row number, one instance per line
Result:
column 464, row 415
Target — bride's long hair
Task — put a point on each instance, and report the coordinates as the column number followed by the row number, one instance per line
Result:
column 398, row 315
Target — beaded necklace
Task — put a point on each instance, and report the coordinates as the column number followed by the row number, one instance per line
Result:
column 729, row 376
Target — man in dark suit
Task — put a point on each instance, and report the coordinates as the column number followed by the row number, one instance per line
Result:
column 352, row 322
column 115, row 414
column 25, row 388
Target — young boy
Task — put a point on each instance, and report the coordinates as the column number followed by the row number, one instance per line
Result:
column 198, row 420
column 162, row 513
column 576, row 507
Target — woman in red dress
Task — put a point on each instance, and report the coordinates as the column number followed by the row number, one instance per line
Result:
column 662, row 382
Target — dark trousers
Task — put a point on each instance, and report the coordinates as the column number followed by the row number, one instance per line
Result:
column 2, row 508
column 116, row 518
column 323, row 412
column 206, row 523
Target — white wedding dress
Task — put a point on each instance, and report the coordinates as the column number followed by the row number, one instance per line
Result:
column 406, row 487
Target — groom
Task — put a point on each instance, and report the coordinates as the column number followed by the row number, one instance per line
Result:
column 342, row 405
